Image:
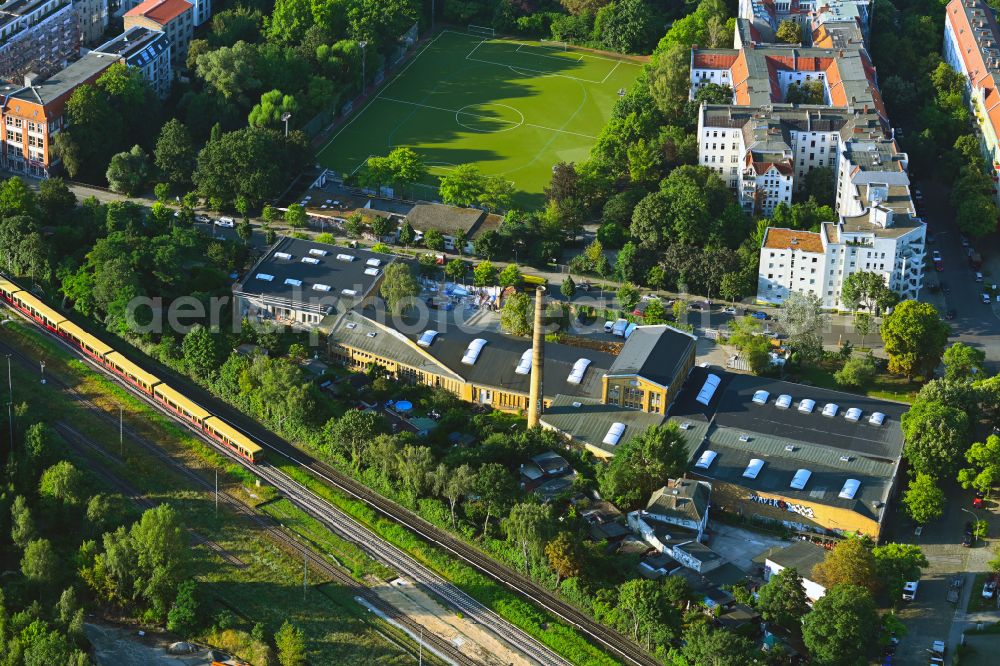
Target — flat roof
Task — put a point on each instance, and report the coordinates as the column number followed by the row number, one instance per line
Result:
column 802, row 556
column 359, row 332
column 62, row 82
column 315, row 266
column 589, row 423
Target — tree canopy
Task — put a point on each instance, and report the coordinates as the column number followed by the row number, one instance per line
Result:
column 643, row 464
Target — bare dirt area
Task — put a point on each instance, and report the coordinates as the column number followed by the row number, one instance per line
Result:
column 116, row 646
column 469, row 637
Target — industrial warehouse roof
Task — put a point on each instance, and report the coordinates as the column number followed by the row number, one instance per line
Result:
column 588, row 423
column 354, row 330
column 300, row 271
column 656, row 353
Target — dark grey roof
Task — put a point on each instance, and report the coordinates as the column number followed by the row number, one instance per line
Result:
column 589, row 422
column 655, row 353
column 62, row 82
column 327, row 270
column 801, row 556
column 133, row 44
column 357, row 331
column 680, row 498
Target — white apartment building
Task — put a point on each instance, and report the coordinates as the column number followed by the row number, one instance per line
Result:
column 828, row 23
column 37, row 36
column 878, row 241
column 146, row 50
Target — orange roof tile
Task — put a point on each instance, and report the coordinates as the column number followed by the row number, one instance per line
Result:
column 160, row 11
column 781, row 239
column 969, row 51
column 714, row 60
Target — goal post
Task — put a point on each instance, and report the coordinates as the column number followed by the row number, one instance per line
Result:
column 482, row 30
column 555, row 45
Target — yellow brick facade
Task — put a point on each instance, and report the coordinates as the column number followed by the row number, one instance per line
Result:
column 636, row 392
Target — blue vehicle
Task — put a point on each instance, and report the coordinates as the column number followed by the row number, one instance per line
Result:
column 760, row 315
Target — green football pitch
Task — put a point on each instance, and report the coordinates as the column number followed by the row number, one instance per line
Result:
column 513, row 108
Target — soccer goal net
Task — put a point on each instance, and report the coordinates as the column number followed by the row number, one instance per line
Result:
column 482, row 30
column 554, row 45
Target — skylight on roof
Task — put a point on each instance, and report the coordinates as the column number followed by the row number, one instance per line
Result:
column 614, row 434
column 316, row 252
column 850, row 489
column 800, row 479
column 852, row 414
column 282, row 255
column 472, row 351
column 524, row 365
column 310, row 260
column 708, row 389
column 348, row 292
column 807, row 406
column 371, row 271
column 753, row 469
column 784, row 401
column 830, row 409
column 293, row 282
column 706, row 459
column 265, row 277
column 579, row 368
column 744, row 437
column 877, row 418
column 321, row 287
column 345, row 257
column 374, row 262
column 760, row 397
column 351, row 325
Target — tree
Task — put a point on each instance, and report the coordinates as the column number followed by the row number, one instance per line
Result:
column 455, row 270
column 253, row 161
column 484, row 274
column 495, row 488
column 16, row 198
column 414, row 465
column 272, row 107
column 434, row 240
column 184, row 615
column 914, row 337
column 789, row 32
column 55, row 198
column 497, row 193
column 405, row 167
column 527, row 528
column 867, row 290
column 842, row 627
column 804, row 322
column 643, row 464
column 231, row 71
column 747, row 335
column 350, row 434
column 858, row 372
column 935, row 436
column 897, row 563
column 924, row 500
column 704, row 646
column 62, row 482
column 977, row 216
column 399, row 287
column 295, row 216
column 850, row 563
column 806, row 92
column 568, row 288
column 625, row 26
column 517, row 315
column 128, row 171
column 564, row 557
column 863, row 323
column 655, row 312
column 40, row 563
column 291, row 644
column 202, row 353
column 175, row 154
column 985, row 460
column 962, row 362
column 628, row 296
column 377, row 172
column 406, row 234
column 381, row 227
column 454, row 484
column 783, row 602
column 462, row 186
column 565, row 183
column 22, row 524
column 510, row 276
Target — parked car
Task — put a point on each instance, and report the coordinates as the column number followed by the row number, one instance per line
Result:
column 986, row 298
column 965, row 241
column 955, row 589
column 760, row 315
column 910, row 590
column 729, row 309
column 979, row 276
column 968, row 540
column 977, row 501
column 204, row 219
column 608, row 325
column 989, row 589
column 227, row 222
column 936, row 256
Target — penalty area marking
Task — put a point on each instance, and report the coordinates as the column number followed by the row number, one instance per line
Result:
column 513, row 125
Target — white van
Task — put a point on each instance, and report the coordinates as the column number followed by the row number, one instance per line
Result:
column 227, row 222
column 910, row 590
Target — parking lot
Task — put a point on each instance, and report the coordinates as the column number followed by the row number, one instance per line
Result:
column 740, row 546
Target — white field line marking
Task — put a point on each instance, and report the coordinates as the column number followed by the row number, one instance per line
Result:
column 514, row 68
column 466, row 113
column 542, row 55
column 610, row 73
column 361, row 111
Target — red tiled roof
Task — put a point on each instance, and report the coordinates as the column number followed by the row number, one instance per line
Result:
column 714, row 60
column 160, row 11
column 969, row 52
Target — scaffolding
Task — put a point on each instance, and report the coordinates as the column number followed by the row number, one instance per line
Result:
column 37, row 36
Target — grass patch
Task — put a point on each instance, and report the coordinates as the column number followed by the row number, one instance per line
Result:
column 976, row 600
column 884, row 386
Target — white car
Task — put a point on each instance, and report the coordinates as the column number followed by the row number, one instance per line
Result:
column 608, row 325
column 910, row 590
column 979, row 276
column 729, row 310
column 204, row 219
column 989, row 589
column 227, row 222
column 935, row 256
column 986, row 298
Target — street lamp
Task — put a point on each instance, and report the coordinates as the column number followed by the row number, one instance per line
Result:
column 363, row 44
column 284, row 118
column 43, row 371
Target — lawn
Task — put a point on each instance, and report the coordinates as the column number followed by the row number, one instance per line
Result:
column 883, row 387
column 511, row 107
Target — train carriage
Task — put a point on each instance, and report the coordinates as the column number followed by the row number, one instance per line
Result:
column 233, row 438
column 32, row 306
column 131, row 372
column 179, row 404
column 88, row 343
column 8, row 289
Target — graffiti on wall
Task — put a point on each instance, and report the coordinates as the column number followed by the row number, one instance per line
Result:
column 800, row 509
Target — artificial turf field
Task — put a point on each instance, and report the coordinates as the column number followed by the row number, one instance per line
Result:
column 512, row 107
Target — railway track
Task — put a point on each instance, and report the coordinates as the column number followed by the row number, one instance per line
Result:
column 444, row 648
column 619, row 646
